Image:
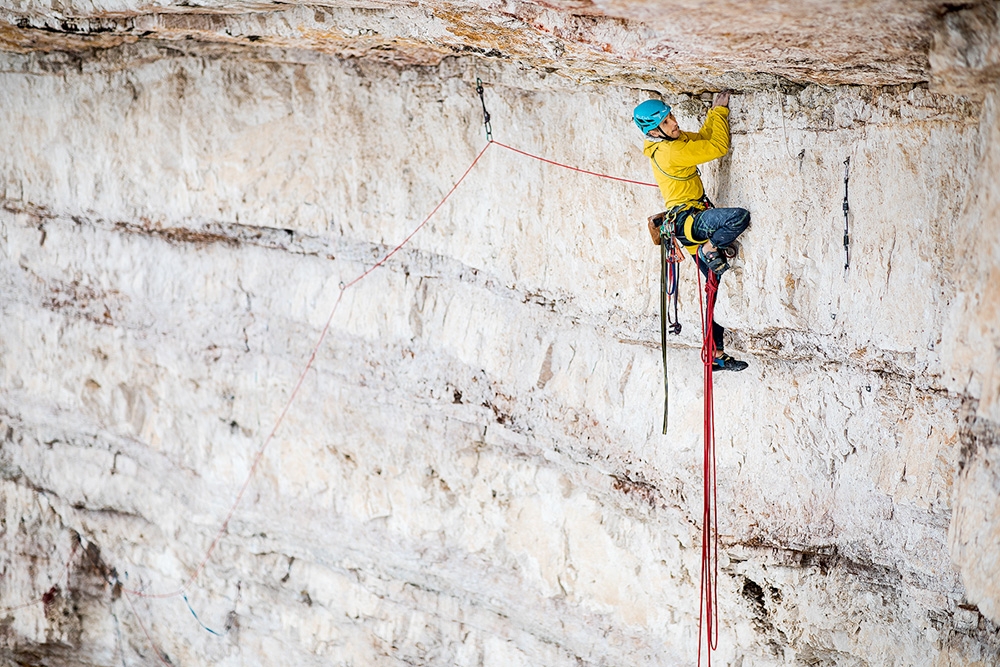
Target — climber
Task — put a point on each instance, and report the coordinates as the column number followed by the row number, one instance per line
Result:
column 708, row 233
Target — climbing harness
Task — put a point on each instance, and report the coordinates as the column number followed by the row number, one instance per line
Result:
column 847, row 210
column 486, row 114
column 686, row 232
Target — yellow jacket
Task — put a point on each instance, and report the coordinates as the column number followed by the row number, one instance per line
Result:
column 675, row 162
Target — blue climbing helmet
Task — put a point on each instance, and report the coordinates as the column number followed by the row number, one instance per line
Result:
column 650, row 114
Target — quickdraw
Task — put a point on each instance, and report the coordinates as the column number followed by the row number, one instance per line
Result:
column 486, row 114
column 847, row 210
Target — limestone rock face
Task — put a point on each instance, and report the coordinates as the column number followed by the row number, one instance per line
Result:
column 231, row 434
column 653, row 43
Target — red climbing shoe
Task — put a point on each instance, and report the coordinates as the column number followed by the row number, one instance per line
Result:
column 727, row 363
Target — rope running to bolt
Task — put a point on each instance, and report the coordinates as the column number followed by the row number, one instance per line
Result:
column 489, row 138
column 566, row 166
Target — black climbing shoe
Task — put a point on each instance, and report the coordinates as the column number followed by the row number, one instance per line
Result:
column 727, row 363
column 730, row 251
column 714, row 260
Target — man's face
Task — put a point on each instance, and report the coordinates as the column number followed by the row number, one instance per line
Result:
column 669, row 127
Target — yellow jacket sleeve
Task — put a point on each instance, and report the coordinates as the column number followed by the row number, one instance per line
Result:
column 711, row 142
column 675, row 162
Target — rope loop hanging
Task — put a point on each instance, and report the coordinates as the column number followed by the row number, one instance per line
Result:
column 708, row 609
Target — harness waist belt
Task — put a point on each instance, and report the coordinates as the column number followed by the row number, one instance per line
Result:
column 684, row 225
column 682, row 216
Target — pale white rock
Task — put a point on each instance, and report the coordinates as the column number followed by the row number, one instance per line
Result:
column 472, row 471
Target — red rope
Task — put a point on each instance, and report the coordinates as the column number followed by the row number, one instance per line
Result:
column 295, row 391
column 566, row 166
column 326, row 327
column 708, row 611
column 424, row 222
column 312, row 358
column 708, row 607
column 159, row 655
column 42, row 598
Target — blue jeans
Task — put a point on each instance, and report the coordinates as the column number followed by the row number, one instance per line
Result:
column 721, row 226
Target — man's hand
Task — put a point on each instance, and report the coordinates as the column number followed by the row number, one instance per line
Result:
column 721, row 99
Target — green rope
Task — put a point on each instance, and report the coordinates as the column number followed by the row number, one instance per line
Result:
column 664, row 242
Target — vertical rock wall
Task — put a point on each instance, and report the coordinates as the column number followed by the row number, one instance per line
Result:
column 472, row 472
